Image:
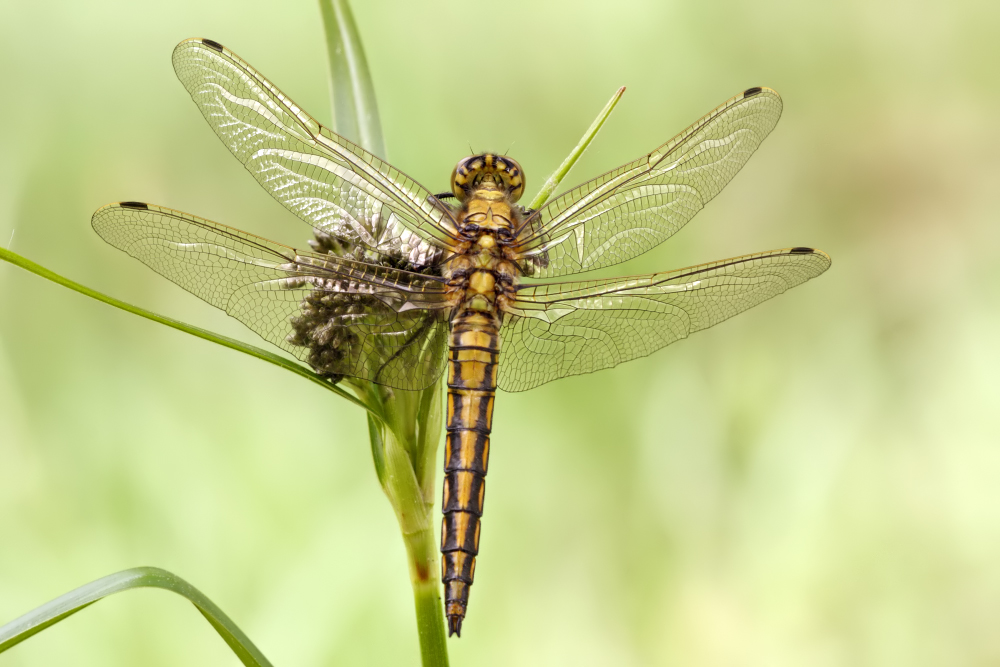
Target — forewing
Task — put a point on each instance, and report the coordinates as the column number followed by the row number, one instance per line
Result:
column 343, row 317
column 634, row 208
column 552, row 331
column 329, row 182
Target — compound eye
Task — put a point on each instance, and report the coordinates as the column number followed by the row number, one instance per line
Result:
column 464, row 175
column 457, row 189
column 515, row 177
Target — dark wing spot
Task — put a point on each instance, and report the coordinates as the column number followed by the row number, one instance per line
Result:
column 801, row 250
column 750, row 92
column 134, row 204
column 212, row 44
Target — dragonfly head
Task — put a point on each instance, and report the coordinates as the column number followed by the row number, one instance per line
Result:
column 488, row 171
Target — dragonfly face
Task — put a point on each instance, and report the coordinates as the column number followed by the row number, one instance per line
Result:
column 478, row 170
column 400, row 288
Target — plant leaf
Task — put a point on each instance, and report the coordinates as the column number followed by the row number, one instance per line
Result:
column 66, row 605
column 352, row 93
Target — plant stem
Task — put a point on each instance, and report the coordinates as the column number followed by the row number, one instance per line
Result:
column 404, row 449
column 404, row 439
column 553, row 182
column 407, row 444
column 422, row 551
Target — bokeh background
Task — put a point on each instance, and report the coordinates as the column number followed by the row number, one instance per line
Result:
column 814, row 483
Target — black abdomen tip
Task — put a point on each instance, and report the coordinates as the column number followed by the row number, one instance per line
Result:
column 134, row 204
column 212, row 44
column 750, row 92
column 455, row 626
column 801, row 250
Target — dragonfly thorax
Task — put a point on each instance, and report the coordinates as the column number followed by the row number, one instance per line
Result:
column 487, row 211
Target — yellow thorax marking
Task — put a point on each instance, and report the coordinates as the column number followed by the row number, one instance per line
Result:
column 482, row 282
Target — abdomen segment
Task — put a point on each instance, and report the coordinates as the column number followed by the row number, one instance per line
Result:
column 474, row 348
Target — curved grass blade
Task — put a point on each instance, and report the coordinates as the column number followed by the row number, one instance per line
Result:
column 66, row 605
column 556, row 178
column 352, row 94
column 225, row 341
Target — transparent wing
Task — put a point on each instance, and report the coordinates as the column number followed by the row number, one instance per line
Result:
column 329, row 182
column 552, row 331
column 634, row 208
column 342, row 317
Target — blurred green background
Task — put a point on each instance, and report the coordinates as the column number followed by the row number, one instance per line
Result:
column 814, row 483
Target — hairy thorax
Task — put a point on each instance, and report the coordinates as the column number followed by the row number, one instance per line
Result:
column 482, row 274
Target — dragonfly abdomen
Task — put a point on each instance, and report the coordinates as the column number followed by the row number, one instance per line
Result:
column 474, row 348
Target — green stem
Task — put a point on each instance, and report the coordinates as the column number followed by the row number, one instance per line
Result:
column 225, row 341
column 404, row 448
column 422, row 551
column 588, row 136
column 428, row 437
column 412, row 500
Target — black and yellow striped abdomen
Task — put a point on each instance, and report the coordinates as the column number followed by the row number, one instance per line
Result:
column 474, row 348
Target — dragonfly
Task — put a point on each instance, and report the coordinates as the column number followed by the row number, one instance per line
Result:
column 401, row 286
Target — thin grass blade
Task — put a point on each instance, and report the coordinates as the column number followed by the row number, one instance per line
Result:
column 559, row 174
column 225, row 341
column 66, row 605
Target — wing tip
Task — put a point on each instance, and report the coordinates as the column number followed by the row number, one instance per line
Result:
column 806, row 250
column 815, row 252
column 101, row 215
column 759, row 90
column 212, row 44
column 196, row 42
column 134, row 205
